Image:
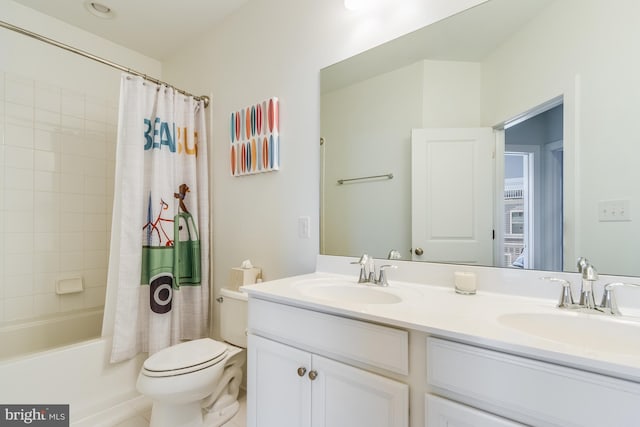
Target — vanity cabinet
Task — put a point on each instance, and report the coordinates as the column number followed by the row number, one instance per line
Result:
column 293, row 388
column 518, row 388
column 300, row 370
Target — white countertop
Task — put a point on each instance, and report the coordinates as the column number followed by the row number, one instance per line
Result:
column 474, row 319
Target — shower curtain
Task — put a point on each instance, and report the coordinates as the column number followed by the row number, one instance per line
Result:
column 159, row 237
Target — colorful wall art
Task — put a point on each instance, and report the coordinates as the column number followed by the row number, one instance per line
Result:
column 255, row 139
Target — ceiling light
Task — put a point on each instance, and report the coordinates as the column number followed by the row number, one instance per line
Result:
column 354, row 4
column 98, row 9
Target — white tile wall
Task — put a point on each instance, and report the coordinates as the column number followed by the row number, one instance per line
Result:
column 57, row 151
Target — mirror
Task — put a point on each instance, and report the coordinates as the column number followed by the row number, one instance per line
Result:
column 492, row 66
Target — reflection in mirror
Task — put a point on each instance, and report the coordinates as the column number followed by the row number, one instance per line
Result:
column 556, row 85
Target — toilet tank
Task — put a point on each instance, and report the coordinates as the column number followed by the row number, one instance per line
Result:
column 233, row 317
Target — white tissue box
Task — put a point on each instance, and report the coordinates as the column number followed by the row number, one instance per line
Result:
column 244, row 276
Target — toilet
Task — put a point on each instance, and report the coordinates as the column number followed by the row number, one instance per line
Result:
column 196, row 383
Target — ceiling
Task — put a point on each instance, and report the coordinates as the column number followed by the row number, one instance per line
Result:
column 155, row 28
column 468, row 36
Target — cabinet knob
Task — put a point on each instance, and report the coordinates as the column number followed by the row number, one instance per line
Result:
column 419, row 251
column 302, row 371
column 313, row 375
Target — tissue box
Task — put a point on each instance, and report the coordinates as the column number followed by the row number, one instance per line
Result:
column 244, row 276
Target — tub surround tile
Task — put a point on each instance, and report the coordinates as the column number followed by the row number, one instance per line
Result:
column 47, row 97
column 19, row 136
column 56, row 192
column 72, row 103
column 18, row 308
column 18, row 114
column 19, row 90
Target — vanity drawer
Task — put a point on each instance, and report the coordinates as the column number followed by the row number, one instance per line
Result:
column 333, row 336
column 441, row 412
column 529, row 391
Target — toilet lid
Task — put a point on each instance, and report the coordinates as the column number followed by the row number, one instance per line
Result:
column 185, row 357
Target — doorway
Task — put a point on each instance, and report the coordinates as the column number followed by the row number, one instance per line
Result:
column 532, row 202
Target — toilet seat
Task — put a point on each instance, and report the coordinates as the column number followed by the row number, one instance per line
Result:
column 184, row 358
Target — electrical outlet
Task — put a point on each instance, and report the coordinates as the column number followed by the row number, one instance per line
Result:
column 614, row 210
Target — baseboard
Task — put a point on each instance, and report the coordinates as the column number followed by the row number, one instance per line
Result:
column 116, row 414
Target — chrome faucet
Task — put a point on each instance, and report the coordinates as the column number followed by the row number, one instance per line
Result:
column 589, row 276
column 368, row 271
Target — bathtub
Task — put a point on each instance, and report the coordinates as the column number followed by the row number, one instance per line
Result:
column 24, row 337
column 99, row 394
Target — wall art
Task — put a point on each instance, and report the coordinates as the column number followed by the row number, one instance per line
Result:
column 255, row 138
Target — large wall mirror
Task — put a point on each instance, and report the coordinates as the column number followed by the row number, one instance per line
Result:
column 502, row 136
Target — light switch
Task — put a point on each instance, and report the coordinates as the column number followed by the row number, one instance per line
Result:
column 304, row 227
column 614, row 210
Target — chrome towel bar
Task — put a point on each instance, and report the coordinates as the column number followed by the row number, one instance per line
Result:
column 387, row 175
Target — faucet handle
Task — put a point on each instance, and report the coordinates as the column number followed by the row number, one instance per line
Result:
column 363, row 262
column 364, row 259
column 382, row 278
column 566, row 297
column 394, row 254
column 608, row 297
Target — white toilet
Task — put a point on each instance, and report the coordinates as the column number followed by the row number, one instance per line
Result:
column 196, row 383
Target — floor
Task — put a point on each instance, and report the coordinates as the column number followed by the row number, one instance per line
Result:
column 239, row 420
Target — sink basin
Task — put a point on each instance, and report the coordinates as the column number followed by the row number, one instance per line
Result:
column 345, row 291
column 353, row 294
column 600, row 333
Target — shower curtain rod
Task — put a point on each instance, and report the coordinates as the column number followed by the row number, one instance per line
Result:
column 97, row 58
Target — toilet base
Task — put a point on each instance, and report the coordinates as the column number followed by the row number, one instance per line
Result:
column 221, row 416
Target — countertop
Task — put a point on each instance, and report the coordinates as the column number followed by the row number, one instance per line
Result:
column 476, row 319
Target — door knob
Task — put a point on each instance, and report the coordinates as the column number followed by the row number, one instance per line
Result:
column 313, row 375
column 418, row 251
column 302, row 371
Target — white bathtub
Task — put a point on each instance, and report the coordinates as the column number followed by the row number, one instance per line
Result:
column 99, row 394
column 24, row 337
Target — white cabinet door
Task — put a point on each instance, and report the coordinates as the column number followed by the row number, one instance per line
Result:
column 287, row 387
column 445, row 413
column 344, row 396
column 277, row 396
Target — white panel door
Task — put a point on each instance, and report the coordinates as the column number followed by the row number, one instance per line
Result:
column 344, row 396
column 277, row 395
column 452, row 195
column 445, row 413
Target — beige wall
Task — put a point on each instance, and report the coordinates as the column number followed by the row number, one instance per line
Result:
column 277, row 48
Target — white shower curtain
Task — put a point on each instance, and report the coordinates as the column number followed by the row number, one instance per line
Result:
column 159, row 238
